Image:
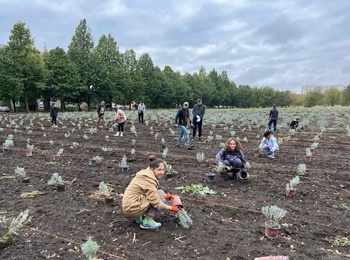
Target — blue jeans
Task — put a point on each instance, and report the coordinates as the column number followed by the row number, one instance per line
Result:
column 183, row 131
column 274, row 122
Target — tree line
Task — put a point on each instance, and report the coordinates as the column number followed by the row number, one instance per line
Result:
column 89, row 73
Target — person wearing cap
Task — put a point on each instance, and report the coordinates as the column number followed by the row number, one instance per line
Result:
column 101, row 114
column 198, row 112
column 141, row 109
column 120, row 118
column 294, row 124
column 182, row 119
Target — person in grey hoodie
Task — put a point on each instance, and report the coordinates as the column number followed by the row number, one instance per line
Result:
column 198, row 112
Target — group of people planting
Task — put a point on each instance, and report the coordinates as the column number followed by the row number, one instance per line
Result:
column 142, row 198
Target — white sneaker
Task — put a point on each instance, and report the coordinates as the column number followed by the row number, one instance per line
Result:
column 117, row 134
column 121, row 134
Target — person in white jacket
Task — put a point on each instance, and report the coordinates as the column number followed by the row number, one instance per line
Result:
column 269, row 144
column 120, row 120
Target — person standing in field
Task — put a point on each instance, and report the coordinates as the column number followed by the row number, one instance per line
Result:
column 120, row 120
column 53, row 114
column 273, row 116
column 198, row 112
column 141, row 110
column 101, row 114
column 182, row 119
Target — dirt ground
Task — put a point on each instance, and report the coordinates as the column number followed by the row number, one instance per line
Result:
column 228, row 225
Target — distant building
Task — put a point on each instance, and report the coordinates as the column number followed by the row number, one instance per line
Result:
column 321, row 88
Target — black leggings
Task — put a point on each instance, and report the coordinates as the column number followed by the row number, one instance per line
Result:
column 121, row 127
column 141, row 117
column 54, row 120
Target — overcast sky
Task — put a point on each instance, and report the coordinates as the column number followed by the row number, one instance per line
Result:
column 283, row 44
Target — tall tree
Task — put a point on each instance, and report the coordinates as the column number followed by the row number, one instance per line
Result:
column 62, row 80
column 80, row 51
column 22, row 66
column 137, row 86
column 110, row 78
column 146, row 67
column 346, row 96
column 332, row 97
column 313, row 98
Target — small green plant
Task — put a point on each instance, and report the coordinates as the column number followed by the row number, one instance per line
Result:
column 196, row 189
column 274, row 214
column 8, row 143
column 185, row 219
column 344, row 206
column 31, row 194
column 97, row 158
column 55, row 179
column 90, row 248
column 104, row 188
column 302, row 169
column 30, row 147
column 293, row 182
column 200, row 157
column 169, row 169
column 340, row 241
column 308, row 152
column 220, row 167
column 60, row 152
column 165, row 152
column 124, row 162
column 20, row 172
column 16, row 224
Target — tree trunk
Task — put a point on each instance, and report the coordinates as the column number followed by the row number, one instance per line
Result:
column 26, row 102
column 14, row 105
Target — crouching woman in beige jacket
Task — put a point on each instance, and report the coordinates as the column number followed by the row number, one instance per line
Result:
column 142, row 199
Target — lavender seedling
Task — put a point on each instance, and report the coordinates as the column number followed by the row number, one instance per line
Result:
column 200, row 156
column 292, row 183
column 90, row 248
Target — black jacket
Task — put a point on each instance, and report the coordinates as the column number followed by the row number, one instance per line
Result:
column 182, row 117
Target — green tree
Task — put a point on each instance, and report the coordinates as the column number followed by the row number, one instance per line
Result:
column 62, row 80
column 110, row 78
column 137, row 85
column 22, row 67
column 313, row 98
column 346, row 96
column 332, row 97
column 244, row 96
column 79, row 52
column 146, row 68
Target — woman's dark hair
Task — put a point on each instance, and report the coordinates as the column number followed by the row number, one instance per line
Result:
column 151, row 157
column 267, row 133
column 154, row 164
column 238, row 144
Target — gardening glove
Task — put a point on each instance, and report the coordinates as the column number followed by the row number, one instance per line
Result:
column 169, row 196
column 269, row 152
column 176, row 125
column 174, row 208
column 198, row 118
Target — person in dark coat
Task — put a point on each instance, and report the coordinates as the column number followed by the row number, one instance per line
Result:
column 198, row 112
column 53, row 114
column 273, row 116
column 294, row 124
column 182, row 119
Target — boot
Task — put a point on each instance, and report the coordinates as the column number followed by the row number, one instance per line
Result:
column 117, row 134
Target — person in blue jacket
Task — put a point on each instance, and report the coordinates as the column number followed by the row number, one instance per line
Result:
column 269, row 144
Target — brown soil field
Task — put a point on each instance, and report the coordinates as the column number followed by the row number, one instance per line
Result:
column 227, row 225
